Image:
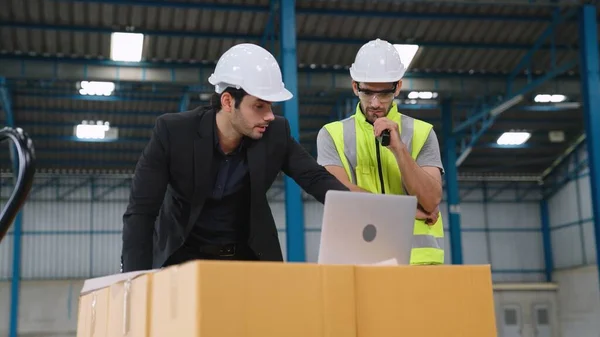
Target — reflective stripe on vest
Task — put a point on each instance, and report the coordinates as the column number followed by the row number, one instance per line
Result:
column 356, row 146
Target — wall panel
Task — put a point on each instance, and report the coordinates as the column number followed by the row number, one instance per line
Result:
column 569, row 204
column 579, row 301
column 72, row 228
column 574, row 246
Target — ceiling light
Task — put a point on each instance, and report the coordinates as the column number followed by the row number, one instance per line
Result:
column 407, row 53
column 205, row 96
column 126, row 47
column 513, row 138
column 96, row 88
column 422, row 95
column 556, row 136
column 547, row 98
column 95, row 130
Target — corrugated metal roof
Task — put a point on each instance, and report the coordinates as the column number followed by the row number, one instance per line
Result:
column 456, row 38
column 167, row 25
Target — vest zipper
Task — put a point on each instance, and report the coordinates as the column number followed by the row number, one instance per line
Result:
column 379, row 169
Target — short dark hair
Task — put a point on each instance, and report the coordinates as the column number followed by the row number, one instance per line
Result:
column 237, row 94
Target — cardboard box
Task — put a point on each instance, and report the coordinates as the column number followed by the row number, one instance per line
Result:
column 253, row 299
column 129, row 307
column 93, row 314
column 424, row 301
column 248, row 299
column 102, row 303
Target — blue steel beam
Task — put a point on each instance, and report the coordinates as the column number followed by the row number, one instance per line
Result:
column 578, row 202
column 207, row 67
column 6, row 103
column 405, row 15
column 177, row 5
column 294, row 205
column 306, row 135
column 590, row 89
column 122, row 140
column 104, row 164
column 553, row 181
column 185, row 73
column 485, row 117
column 183, row 104
column 84, row 158
column 503, row 188
column 67, row 124
column 335, row 111
column 306, row 142
column 547, row 240
column 74, row 189
column 40, row 186
column 324, row 11
column 136, row 149
column 123, row 184
column 551, row 188
column 77, row 97
column 574, row 146
column 522, row 196
column 525, row 60
column 258, row 38
column 65, row 86
column 494, row 133
column 172, row 96
column 548, row 33
column 78, row 140
column 452, row 189
column 33, row 83
column 269, row 31
column 309, row 120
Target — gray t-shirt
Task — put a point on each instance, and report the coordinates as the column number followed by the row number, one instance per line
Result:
column 327, row 153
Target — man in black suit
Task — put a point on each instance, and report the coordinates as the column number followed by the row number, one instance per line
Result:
column 199, row 189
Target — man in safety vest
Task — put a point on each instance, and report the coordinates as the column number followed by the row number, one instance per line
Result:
column 410, row 164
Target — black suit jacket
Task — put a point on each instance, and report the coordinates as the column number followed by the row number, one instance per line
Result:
column 172, row 181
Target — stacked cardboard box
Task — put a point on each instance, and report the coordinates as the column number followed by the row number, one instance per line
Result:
column 252, row 299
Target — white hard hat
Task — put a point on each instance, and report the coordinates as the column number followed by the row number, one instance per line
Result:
column 377, row 61
column 252, row 68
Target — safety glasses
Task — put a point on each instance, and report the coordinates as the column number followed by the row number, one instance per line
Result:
column 383, row 96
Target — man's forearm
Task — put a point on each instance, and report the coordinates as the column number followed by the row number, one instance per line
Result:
column 137, row 242
column 340, row 174
column 418, row 182
column 355, row 188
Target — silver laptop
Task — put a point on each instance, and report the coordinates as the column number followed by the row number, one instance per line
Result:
column 366, row 228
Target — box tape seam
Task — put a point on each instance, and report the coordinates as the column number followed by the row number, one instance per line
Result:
column 126, row 306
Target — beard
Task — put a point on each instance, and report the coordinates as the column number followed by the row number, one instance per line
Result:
column 371, row 114
column 244, row 127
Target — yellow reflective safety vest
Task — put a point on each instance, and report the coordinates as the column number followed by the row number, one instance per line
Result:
column 374, row 168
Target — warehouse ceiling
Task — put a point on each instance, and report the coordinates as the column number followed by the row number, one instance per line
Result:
column 469, row 52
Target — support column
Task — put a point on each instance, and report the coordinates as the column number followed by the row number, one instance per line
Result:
column 547, row 240
column 5, row 102
column 590, row 87
column 185, row 102
column 451, row 177
column 294, row 208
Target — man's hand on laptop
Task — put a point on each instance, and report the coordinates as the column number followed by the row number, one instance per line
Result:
column 430, row 218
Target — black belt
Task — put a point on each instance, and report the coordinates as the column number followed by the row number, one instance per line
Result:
column 220, row 250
